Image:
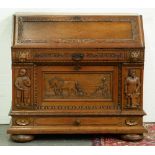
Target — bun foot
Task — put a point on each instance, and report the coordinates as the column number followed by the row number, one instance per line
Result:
column 22, row 138
column 132, row 137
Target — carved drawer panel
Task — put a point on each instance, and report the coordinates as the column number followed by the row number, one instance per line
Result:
column 77, row 55
column 77, row 121
column 92, row 88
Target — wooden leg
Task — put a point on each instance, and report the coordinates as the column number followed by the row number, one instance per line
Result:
column 132, row 137
column 22, row 138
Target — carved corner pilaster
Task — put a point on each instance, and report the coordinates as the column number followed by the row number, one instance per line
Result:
column 23, row 85
column 132, row 89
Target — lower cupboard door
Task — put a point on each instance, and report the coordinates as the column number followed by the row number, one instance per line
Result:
column 64, row 90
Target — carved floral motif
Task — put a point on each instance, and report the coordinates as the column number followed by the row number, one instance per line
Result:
column 22, row 121
column 23, row 56
column 135, row 55
column 131, row 122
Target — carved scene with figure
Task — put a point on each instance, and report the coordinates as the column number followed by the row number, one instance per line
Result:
column 74, row 86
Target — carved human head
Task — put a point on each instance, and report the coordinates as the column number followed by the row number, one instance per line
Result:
column 22, row 72
column 132, row 72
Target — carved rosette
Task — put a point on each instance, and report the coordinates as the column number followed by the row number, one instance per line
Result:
column 136, row 55
column 131, row 122
column 23, row 56
column 22, row 121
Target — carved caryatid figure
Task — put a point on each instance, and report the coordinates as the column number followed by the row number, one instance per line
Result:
column 132, row 89
column 22, row 84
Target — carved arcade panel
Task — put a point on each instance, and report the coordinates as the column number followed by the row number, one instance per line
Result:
column 22, row 87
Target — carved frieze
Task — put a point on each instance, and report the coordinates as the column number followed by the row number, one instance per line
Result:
column 76, row 86
column 76, row 107
column 68, row 55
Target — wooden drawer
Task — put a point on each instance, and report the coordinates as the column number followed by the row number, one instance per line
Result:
column 77, row 121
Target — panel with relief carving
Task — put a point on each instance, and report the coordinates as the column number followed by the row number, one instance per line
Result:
column 132, row 88
column 92, row 88
column 22, row 87
column 77, row 86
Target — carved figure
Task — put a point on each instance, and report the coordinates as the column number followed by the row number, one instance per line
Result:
column 23, row 84
column 102, row 89
column 132, row 89
column 78, row 89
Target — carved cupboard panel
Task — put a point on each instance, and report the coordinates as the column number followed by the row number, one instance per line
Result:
column 132, row 80
column 22, row 87
column 63, row 89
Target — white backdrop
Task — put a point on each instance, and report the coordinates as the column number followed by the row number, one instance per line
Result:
column 5, row 54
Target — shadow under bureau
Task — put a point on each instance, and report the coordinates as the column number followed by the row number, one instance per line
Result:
column 77, row 74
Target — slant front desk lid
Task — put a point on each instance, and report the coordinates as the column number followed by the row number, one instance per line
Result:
column 78, row 31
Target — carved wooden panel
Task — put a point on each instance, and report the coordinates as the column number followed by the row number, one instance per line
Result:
column 66, row 55
column 22, row 87
column 78, row 31
column 91, row 88
column 77, row 86
column 132, row 87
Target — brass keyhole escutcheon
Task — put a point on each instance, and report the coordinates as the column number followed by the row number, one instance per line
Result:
column 77, row 56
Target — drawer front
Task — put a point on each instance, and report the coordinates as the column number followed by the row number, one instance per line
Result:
column 82, row 55
column 62, row 89
column 77, row 121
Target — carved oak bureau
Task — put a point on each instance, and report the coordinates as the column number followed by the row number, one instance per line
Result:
column 77, row 74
